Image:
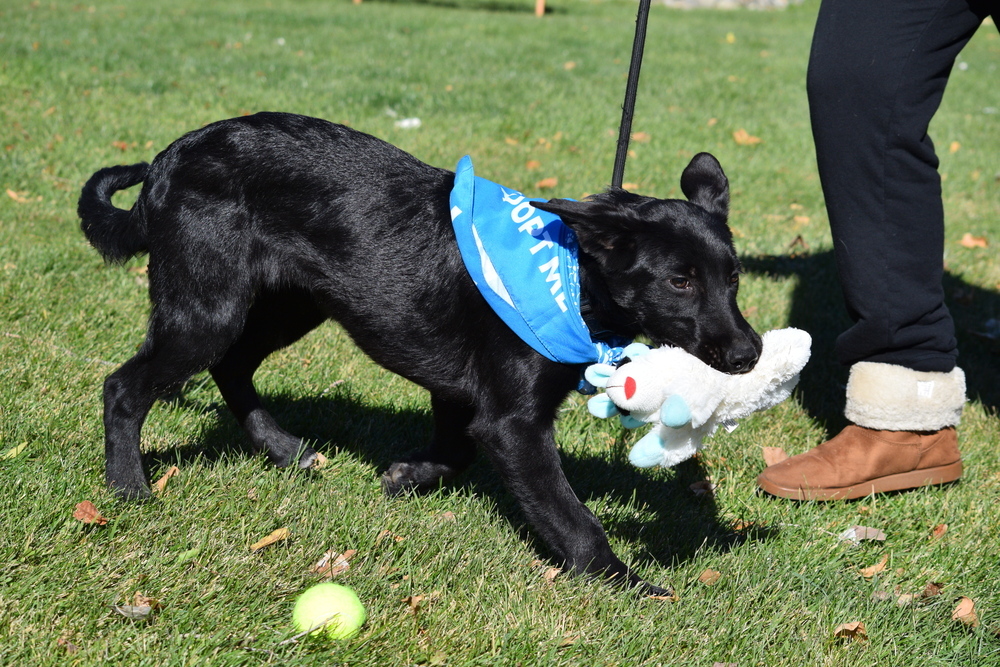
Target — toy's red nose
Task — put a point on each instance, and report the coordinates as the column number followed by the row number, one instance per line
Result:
column 630, row 387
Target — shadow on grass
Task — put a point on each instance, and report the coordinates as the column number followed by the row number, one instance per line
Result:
column 817, row 307
column 681, row 524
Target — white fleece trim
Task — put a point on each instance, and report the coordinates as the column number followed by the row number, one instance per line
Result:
column 895, row 398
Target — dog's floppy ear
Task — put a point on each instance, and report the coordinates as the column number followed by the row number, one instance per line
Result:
column 704, row 183
column 601, row 225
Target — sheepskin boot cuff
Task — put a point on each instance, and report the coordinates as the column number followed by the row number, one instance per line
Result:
column 895, row 398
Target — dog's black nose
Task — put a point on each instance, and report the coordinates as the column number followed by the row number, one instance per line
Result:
column 741, row 359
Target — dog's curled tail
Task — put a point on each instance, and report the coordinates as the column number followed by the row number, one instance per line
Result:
column 117, row 234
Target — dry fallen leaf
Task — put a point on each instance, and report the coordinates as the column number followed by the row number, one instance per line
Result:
column 140, row 600
column 869, row 572
column 703, row 488
column 66, row 644
column 161, row 483
column 547, row 183
column 939, row 531
column 954, row 147
column 569, row 65
column 447, row 516
column 853, row 630
column 858, row 534
column 13, row 451
column 19, row 197
column 932, row 589
column 275, row 536
column 641, row 137
column 120, row 145
column 774, row 455
column 88, row 513
column 709, row 577
column 551, row 573
column 319, row 461
column 968, row 240
column 134, row 612
column 744, row 138
column 630, row 186
column 334, row 564
column 965, row 612
column 671, row 596
column 531, row 165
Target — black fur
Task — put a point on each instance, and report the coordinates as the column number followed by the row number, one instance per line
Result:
column 260, row 228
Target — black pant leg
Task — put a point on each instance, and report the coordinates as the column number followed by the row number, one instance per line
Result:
column 877, row 73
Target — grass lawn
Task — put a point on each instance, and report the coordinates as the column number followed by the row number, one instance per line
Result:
column 455, row 577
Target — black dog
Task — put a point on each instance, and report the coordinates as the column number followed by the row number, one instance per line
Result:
column 260, row 228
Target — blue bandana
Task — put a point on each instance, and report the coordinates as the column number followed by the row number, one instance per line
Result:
column 524, row 261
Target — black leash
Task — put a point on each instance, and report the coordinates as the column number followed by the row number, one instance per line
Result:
column 628, row 109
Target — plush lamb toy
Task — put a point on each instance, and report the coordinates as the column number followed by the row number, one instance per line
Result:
column 686, row 399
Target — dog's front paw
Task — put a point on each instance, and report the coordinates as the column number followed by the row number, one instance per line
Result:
column 404, row 476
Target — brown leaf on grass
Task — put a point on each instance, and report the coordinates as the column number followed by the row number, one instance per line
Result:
column 66, row 644
column 415, row 603
column 671, row 596
column 531, row 165
column 965, row 612
column 744, row 138
column 631, row 187
column 319, row 461
column 120, row 145
column 968, row 240
column 703, row 488
column 86, row 512
column 725, row 664
column 954, row 147
column 869, row 572
column 448, row 516
column 133, row 612
column 386, row 535
column 853, row 630
column 939, row 531
column 19, row 197
column 140, row 600
column 547, row 183
column 334, row 564
column 858, row 534
column 709, row 577
column 275, row 536
column 773, row 455
column 641, row 137
column 569, row 65
column 161, row 484
column 551, row 573
column 932, row 589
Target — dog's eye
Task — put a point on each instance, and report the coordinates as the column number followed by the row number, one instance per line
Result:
column 681, row 283
column 734, row 280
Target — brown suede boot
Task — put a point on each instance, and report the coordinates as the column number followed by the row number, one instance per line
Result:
column 860, row 461
column 904, row 438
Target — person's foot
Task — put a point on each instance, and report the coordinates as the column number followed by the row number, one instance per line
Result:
column 861, row 461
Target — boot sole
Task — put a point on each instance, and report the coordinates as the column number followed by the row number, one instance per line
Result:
column 899, row 482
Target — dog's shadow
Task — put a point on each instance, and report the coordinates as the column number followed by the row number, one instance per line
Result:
column 658, row 513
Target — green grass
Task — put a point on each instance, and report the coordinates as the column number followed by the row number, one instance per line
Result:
column 87, row 85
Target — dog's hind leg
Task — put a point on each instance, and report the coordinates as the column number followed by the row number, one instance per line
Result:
column 186, row 335
column 451, row 451
column 276, row 319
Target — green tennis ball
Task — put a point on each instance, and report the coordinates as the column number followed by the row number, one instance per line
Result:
column 329, row 608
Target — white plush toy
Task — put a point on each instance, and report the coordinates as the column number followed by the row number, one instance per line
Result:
column 686, row 399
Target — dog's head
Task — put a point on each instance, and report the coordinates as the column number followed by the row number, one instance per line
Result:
column 666, row 268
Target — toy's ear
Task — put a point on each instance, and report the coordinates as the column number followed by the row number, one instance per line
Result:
column 599, row 374
column 634, row 350
column 705, row 184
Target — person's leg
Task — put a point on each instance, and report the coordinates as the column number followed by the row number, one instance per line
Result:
column 877, row 73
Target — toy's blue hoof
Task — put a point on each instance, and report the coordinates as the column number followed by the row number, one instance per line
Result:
column 602, row 407
column 648, row 452
column 628, row 421
column 675, row 412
